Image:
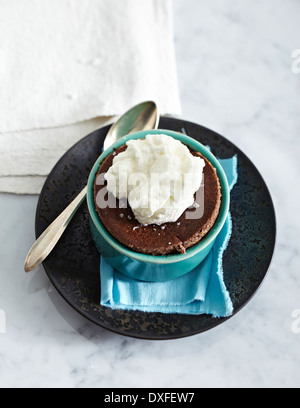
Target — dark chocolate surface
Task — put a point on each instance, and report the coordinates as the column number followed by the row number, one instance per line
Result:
column 168, row 238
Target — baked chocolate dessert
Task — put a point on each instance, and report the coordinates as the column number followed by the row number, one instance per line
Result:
column 169, row 238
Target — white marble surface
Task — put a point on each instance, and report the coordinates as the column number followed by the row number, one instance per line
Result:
column 235, row 73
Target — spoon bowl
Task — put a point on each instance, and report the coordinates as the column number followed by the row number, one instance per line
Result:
column 142, row 116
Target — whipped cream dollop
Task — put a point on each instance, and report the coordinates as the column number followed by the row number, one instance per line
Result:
column 158, row 176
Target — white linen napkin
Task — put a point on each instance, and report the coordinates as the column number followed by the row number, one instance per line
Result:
column 27, row 157
column 67, row 67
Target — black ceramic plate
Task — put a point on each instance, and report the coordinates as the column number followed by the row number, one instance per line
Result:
column 73, row 266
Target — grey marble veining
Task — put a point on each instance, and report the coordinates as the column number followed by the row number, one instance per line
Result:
column 235, row 74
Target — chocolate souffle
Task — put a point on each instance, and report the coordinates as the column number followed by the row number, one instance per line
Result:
column 169, row 238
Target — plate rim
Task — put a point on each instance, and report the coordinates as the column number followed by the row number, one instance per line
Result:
column 218, row 321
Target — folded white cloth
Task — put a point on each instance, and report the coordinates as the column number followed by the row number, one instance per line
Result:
column 68, row 65
column 27, row 157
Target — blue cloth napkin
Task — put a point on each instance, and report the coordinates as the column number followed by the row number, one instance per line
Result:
column 202, row 291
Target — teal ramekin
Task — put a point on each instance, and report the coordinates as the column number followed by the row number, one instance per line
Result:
column 148, row 267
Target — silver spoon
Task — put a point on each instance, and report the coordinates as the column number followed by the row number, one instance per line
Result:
column 141, row 117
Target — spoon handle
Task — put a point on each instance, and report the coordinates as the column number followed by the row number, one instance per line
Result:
column 47, row 241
